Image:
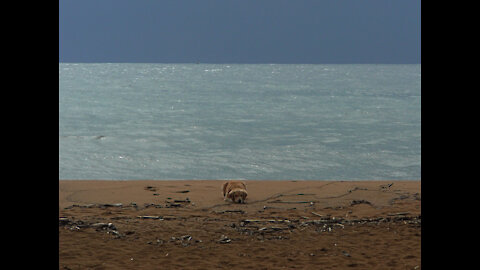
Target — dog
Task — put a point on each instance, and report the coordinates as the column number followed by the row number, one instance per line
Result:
column 235, row 190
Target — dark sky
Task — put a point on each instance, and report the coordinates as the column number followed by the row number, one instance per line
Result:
column 240, row 31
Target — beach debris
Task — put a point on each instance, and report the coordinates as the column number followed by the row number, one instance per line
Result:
column 177, row 203
column 187, row 200
column 150, row 217
column 270, row 207
column 280, row 201
column 63, row 221
column 356, row 188
column 355, row 202
column 187, row 237
column 224, row 240
column 80, row 206
column 105, row 205
column 230, row 211
column 92, row 205
column 398, row 214
column 184, row 240
column 183, row 191
column 103, row 226
column 110, row 228
column 151, row 188
column 272, row 228
column 346, row 254
column 318, row 215
column 171, row 205
column 146, row 205
column 246, row 221
column 387, row 186
column 323, row 224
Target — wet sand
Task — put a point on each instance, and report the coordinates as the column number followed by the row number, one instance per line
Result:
column 283, row 225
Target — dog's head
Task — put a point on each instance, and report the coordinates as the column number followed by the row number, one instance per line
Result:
column 237, row 195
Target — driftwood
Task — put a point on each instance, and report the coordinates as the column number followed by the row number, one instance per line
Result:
column 354, row 202
column 91, row 205
column 170, row 205
column 102, row 225
column 266, row 220
column 79, row 224
column 151, row 188
column 280, row 201
column 230, row 211
column 150, row 217
column 187, row 200
column 398, row 214
column 224, row 240
column 323, row 224
column 273, row 228
column 146, row 205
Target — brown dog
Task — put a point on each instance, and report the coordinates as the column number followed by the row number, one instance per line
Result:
column 235, row 190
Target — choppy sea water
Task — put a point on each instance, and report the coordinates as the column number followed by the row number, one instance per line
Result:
column 239, row 121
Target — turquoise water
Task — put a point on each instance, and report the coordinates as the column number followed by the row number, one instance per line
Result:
column 239, row 121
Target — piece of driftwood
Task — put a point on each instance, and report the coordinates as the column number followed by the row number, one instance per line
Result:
column 398, row 214
column 170, row 205
column 102, row 225
column 273, row 228
column 386, row 186
column 230, row 211
column 355, row 202
column 318, row 215
column 187, row 200
column 149, row 217
column 280, row 201
column 224, row 240
column 270, row 207
column 146, row 205
column 111, row 205
column 266, row 220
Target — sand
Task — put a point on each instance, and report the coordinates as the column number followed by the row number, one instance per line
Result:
column 284, row 225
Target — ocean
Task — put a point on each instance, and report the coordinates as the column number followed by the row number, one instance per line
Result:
column 130, row 121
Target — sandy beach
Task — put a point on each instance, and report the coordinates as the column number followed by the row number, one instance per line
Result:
column 283, row 225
